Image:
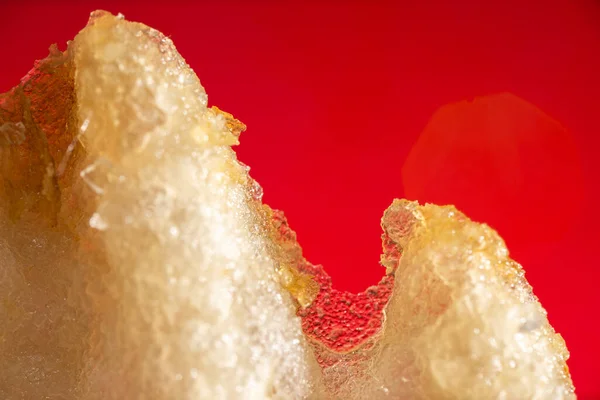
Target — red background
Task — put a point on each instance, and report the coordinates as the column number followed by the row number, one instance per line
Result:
column 336, row 93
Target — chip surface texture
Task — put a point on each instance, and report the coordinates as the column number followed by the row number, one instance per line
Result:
column 137, row 260
column 134, row 259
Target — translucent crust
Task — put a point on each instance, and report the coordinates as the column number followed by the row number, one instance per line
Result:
column 462, row 321
column 134, row 249
column 137, row 260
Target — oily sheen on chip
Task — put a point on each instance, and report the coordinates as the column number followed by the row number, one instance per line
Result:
column 137, row 260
